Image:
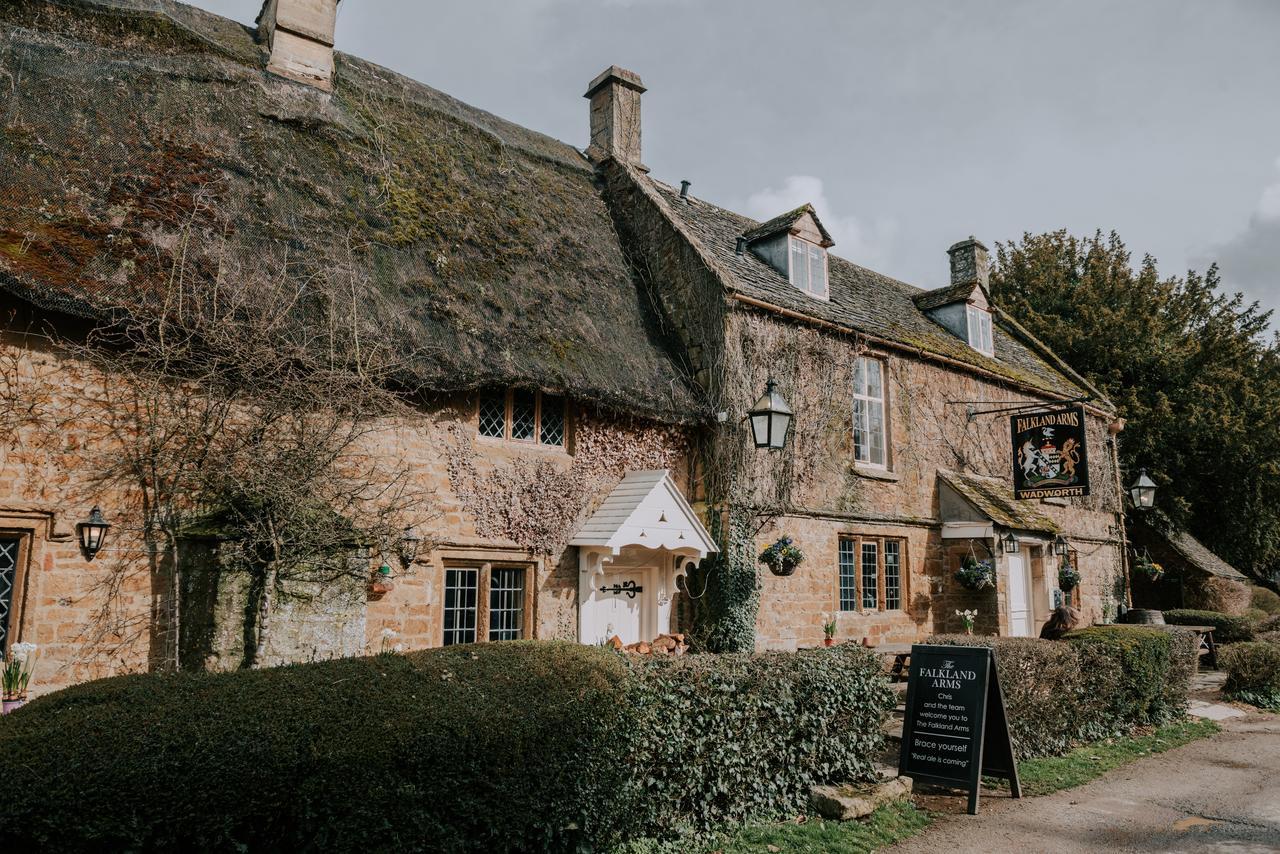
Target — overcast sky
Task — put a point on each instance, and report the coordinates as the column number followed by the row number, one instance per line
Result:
column 908, row 125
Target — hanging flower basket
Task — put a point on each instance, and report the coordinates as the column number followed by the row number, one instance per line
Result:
column 1152, row 570
column 976, row 574
column 1068, row 577
column 782, row 557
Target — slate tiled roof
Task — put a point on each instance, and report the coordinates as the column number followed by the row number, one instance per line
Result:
column 784, row 222
column 864, row 301
column 994, row 499
column 139, row 135
column 1198, row 554
column 926, row 300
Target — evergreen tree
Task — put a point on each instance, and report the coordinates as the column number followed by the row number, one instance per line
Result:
column 1193, row 370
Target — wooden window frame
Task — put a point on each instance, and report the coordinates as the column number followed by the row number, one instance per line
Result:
column 792, row 272
column 18, row 596
column 904, row 575
column 976, row 315
column 484, row 579
column 884, row 405
column 508, row 417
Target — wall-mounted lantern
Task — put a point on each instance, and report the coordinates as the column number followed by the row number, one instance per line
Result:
column 1143, row 491
column 410, row 543
column 770, row 419
column 1061, row 548
column 92, row 532
column 1009, row 543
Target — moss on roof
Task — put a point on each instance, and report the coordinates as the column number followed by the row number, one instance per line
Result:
column 863, row 300
column 994, row 499
column 145, row 134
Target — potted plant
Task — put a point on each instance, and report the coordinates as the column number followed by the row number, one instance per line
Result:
column 1068, row 577
column 782, row 557
column 969, row 617
column 976, row 574
column 829, row 632
column 15, row 677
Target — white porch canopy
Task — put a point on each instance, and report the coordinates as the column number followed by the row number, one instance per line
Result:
column 630, row 553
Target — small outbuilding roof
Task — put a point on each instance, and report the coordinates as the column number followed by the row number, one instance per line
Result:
column 1198, row 554
column 646, row 509
column 994, row 499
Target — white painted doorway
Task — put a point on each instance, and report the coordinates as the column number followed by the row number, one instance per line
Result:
column 625, row 613
column 1021, row 608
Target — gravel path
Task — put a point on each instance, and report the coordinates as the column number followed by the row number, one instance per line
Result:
column 1219, row 794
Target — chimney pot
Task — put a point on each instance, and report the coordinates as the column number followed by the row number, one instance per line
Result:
column 299, row 34
column 684, row 189
column 970, row 262
column 615, row 116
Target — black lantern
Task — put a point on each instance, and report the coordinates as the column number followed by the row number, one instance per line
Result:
column 410, row 542
column 1009, row 543
column 1061, row 547
column 92, row 532
column 770, row 419
column 1143, row 491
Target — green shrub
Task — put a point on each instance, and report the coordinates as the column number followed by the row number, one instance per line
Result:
column 1255, row 616
column 1104, row 682
column 730, row 737
column 1265, row 599
column 1270, row 624
column 1227, row 629
column 1253, row 673
column 497, row 747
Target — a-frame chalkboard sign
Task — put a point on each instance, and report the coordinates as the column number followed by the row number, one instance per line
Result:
column 955, row 729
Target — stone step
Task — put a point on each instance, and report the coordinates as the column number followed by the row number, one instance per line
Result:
column 842, row 803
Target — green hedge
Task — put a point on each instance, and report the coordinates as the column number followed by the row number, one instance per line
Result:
column 1101, row 682
column 497, row 747
column 1227, row 629
column 1253, row 673
column 1265, row 600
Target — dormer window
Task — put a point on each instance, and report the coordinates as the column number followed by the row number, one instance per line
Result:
column 978, row 321
column 808, row 267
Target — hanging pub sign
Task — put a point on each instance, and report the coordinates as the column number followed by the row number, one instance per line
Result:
column 955, row 730
column 1050, row 459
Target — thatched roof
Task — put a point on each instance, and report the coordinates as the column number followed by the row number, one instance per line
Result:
column 142, row 136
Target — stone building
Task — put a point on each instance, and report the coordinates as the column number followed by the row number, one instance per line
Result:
column 1187, row 564
column 588, row 340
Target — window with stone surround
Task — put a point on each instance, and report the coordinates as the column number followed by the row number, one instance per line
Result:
column 871, row 573
column 870, row 447
column 485, row 602
column 523, row 416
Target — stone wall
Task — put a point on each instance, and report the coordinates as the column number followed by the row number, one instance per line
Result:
column 828, row 495
column 494, row 501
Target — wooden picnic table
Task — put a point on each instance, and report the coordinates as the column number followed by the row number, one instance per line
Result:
column 901, row 653
column 1206, row 647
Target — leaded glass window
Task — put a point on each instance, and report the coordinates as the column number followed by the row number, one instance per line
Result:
column 551, row 427
column 461, row 587
column 892, row 576
column 870, row 574
column 848, row 574
column 8, row 580
column 493, row 416
column 524, row 416
column 506, row 604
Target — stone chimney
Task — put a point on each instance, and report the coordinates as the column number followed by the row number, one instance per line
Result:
column 970, row 262
column 615, row 116
column 299, row 34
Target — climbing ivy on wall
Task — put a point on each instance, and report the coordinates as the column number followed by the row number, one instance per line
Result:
column 725, row 612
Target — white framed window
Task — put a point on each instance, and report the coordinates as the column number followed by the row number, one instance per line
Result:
column 979, row 322
column 522, row 416
column 461, row 586
column 485, row 603
column 808, row 267
column 869, row 434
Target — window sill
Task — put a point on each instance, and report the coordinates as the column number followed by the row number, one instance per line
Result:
column 875, row 473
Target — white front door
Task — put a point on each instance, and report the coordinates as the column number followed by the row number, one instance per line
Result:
column 626, row 611
column 1020, row 604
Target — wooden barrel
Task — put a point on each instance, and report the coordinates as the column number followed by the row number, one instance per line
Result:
column 1144, row 617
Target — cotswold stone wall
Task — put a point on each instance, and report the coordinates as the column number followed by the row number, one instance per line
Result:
column 828, row 495
column 486, row 501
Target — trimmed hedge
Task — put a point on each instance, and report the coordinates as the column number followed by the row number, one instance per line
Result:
column 1265, row 599
column 1101, row 682
column 496, row 747
column 1227, row 629
column 1253, row 673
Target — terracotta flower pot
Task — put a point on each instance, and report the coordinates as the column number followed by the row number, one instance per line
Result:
column 828, row 641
